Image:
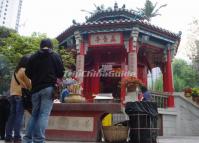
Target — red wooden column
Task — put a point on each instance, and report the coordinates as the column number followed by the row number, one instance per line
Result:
column 133, row 49
column 123, row 87
column 168, row 79
column 80, row 57
column 164, row 73
column 142, row 74
column 124, row 67
column 96, row 80
column 145, row 72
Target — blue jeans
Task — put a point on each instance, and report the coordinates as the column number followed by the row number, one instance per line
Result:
column 15, row 118
column 42, row 105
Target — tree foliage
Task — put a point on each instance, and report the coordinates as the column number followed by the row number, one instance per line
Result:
column 5, row 32
column 5, row 73
column 179, row 83
column 193, row 43
column 13, row 46
column 67, row 57
column 184, row 75
column 158, row 84
column 150, row 10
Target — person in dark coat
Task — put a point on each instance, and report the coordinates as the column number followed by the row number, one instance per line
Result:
column 4, row 113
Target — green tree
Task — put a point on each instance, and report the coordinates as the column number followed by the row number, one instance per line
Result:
column 184, row 75
column 67, row 57
column 5, row 73
column 13, row 46
column 179, row 84
column 150, row 10
column 5, row 32
column 193, row 43
column 158, row 84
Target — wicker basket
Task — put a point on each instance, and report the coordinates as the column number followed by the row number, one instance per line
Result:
column 115, row 134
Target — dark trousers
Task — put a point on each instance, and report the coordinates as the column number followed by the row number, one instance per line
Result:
column 15, row 118
column 4, row 113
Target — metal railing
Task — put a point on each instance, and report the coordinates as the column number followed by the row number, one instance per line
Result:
column 161, row 98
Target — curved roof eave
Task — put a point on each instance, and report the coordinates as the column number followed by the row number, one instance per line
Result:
column 145, row 25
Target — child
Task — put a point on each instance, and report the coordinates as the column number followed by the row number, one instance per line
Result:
column 146, row 94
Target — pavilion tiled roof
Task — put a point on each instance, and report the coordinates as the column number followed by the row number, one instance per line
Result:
column 124, row 22
column 131, row 14
column 115, row 19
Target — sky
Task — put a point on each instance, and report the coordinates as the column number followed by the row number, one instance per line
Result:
column 54, row 16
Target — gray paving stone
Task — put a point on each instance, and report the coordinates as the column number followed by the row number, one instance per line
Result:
column 179, row 139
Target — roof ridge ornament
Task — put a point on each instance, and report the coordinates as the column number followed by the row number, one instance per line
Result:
column 115, row 6
column 179, row 33
column 123, row 6
column 101, row 13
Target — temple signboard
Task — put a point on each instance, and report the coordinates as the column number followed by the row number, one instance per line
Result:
column 105, row 39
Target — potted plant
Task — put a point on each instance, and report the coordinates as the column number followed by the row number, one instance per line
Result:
column 132, row 83
column 195, row 95
column 187, row 92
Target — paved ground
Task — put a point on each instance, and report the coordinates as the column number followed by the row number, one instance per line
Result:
column 180, row 139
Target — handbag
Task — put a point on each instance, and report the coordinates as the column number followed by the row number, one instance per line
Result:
column 57, row 88
column 26, row 96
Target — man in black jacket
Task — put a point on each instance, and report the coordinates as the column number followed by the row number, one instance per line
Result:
column 43, row 68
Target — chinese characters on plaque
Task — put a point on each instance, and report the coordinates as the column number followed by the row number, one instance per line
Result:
column 105, row 39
